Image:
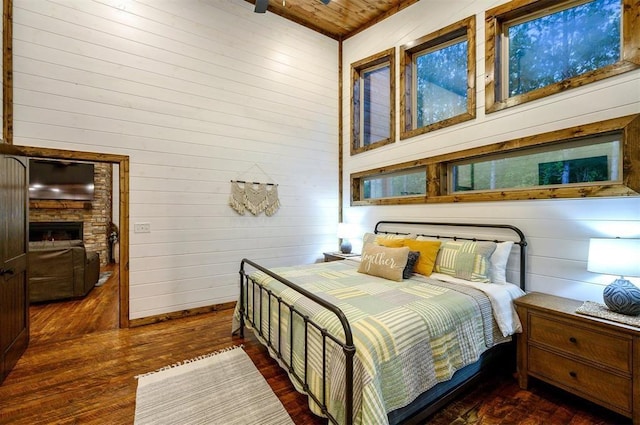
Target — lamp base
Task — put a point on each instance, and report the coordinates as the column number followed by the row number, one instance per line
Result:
column 345, row 247
column 622, row 296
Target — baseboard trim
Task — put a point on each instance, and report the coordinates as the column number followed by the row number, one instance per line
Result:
column 180, row 314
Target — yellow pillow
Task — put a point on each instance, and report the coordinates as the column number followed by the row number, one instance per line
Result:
column 428, row 253
column 389, row 242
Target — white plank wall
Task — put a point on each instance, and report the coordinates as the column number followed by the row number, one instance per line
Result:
column 558, row 231
column 196, row 93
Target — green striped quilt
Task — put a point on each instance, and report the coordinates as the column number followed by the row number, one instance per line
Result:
column 408, row 335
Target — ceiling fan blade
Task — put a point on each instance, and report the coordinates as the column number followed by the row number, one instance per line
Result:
column 261, row 6
column 325, row 1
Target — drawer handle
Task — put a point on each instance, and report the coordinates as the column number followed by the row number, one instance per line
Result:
column 573, row 340
column 573, row 374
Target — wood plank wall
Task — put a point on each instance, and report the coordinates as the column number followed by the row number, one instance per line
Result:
column 196, row 93
column 558, row 230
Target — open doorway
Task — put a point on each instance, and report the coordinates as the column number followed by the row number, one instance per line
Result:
column 73, row 278
column 116, row 288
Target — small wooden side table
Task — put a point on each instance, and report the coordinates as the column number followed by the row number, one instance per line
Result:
column 337, row 256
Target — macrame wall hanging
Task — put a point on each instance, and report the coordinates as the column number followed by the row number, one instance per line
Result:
column 254, row 196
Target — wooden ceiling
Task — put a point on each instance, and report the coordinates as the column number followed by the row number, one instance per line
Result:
column 340, row 19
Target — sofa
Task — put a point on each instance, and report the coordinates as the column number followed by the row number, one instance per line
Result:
column 61, row 269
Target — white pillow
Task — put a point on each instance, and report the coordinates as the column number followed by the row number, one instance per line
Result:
column 498, row 262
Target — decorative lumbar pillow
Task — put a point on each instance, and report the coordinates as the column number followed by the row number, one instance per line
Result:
column 428, row 253
column 412, row 259
column 498, row 262
column 383, row 262
column 465, row 260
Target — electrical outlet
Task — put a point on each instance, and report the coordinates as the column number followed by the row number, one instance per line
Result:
column 142, row 228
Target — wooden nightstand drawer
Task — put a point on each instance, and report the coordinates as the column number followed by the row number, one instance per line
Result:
column 605, row 388
column 602, row 348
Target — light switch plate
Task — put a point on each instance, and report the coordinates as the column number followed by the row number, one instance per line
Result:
column 142, row 228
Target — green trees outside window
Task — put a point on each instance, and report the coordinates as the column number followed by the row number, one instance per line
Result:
column 563, row 44
column 565, row 164
column 403, row 183
column 441, row 87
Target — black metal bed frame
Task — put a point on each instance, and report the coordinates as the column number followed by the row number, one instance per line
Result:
column 249, row 289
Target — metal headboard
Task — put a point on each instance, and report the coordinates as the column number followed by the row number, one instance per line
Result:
column 522, row 242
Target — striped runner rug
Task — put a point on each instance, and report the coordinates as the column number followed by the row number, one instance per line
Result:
column 218, row 388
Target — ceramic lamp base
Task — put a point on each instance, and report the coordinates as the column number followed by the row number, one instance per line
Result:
column 345, row 247
column 622, row 296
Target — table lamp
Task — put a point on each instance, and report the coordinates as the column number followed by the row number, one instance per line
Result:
column 345, row 231
column 617, row 257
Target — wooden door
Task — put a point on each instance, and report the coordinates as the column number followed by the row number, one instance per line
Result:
column 14, row 299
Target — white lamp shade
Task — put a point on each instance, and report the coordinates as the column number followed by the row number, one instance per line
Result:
column 619, row 257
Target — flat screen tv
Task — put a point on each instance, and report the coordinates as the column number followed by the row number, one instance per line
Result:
column 64, row 180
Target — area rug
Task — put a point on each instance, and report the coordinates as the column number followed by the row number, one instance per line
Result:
column 218, row 388
column 104, row 276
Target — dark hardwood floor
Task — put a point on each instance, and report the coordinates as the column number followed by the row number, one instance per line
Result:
column 80, row 368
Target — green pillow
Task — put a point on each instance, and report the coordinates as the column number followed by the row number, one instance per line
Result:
column 465, row 260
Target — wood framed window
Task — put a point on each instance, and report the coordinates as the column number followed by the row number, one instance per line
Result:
column 373, row 101
column 538, row 48
column 437, row 79
column 593, row 160
column 409, row 183
column 584, row 162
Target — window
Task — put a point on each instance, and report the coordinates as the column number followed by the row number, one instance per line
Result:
column 598, row 159
column 373, row 102
column 437, row 79
column 535, row 49
column 401, row 183
column 586, row 161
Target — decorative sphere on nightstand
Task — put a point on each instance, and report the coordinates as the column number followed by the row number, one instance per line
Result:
column 622, row 296
column 617, row 257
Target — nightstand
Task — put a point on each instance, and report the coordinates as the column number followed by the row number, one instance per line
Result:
column 593, row 358
column 337, row 256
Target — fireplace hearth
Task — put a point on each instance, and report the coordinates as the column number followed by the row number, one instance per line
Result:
column 55, row 230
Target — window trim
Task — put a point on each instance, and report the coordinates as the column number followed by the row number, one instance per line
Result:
column 437, row 168
column 357, row 70
column 465, row 28
column 495, row 20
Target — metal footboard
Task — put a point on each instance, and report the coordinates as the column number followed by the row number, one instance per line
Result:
column 248, row 288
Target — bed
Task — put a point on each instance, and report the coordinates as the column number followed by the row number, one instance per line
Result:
column 367, row 347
